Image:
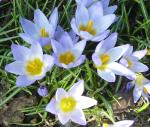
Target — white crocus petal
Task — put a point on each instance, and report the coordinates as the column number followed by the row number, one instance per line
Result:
column 40, row 19
column 77, row 89
column 48, row 61
column 29, row 27
column 74, row 27
column 110, row 10
column 105, row 22
column 129, row 51
column 121, row 70
column 57, row 47
column 60, row 93
column 27, row 38
column 51, row 107
column 107, row 44
column 85, row 35
column 85, row 102
column 105, row 3
column 137, row 92
column 66, row 41
column 96, row 59
column 140, row 54
column 123, row 123
column 101, row 36
column 99, row 10
column 53, row 19
column 16, row 67
column 77, row 116
column 20, row 52
column 36, row 50
column 139, row 67
column 124, row 62
column 107, row 75
column 82, row 16
column 116, row 52
column 63, row 118
column 78, row 48
column 23, row 81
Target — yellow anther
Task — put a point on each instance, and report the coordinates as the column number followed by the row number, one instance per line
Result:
column 66, row 58
column 67, row 104
column 88, row 28
column 105, row 59
column 43, row 33
column 34, row 67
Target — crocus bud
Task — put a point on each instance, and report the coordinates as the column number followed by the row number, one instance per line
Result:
column 42, row 91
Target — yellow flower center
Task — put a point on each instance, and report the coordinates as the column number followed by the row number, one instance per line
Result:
column 43, row 33
column 105, row 125
column 130, row 63
column 67, row 104
column 34, row 67
column 88, row 28
column 139, row 79
column 66, row 58
column 104, row 58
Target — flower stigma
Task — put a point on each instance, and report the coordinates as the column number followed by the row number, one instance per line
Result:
column 34, row 67
column 88, row 28
column 67, row 58
column 43, row 33
column 67, row 104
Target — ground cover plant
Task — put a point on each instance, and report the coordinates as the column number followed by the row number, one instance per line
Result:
column 74, row 63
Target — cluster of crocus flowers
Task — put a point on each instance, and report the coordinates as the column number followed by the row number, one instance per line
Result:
column 68, row 105
column 91, row 22
column 42, row 30
column 30, row 64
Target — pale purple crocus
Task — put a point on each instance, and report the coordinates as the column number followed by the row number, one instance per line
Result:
column 131, row 60
column 105, row 59
column 69, row 105
column 141, row 87
column 67, row 53
column 90, row 23
column 41, row 30
column 106, row 8
column 42, row 91
column 30, row 64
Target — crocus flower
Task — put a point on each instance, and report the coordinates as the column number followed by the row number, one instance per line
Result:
column 92, row 25
column 105, row 58
column 68, row 105
column 67, row 53
column 106, row 8
column 30, row 64
column 131, row 60
column 42, row 91
column 141, row 87
column 41, row 30
column 123, row 123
